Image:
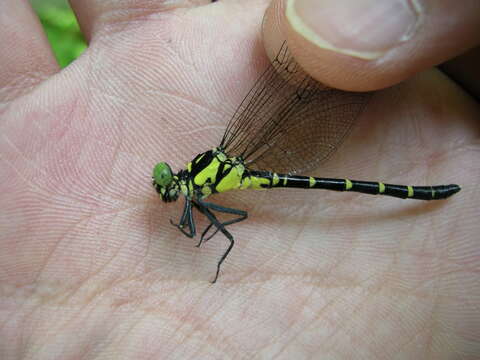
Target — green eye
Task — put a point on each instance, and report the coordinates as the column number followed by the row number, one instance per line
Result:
column 162, row 174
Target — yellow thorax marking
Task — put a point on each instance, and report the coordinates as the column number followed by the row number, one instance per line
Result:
column 221, row 156
column 208, row 173
column 206, row 190
column 311, row 181
column 232, row 178
column 200, row 158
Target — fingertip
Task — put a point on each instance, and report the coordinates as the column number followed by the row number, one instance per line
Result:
column 357, row 29
column 338, row 70
column 366, row 45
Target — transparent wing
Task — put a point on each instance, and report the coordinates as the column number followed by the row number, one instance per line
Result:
column 289, row 122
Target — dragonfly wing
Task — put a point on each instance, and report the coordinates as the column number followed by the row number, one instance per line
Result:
column 289, row 122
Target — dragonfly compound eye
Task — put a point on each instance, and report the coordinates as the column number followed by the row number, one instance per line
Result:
column 162, row 174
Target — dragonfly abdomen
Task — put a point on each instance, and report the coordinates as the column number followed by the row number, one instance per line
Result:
column 272, row 180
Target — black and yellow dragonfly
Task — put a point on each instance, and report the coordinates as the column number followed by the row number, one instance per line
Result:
column 287, row 124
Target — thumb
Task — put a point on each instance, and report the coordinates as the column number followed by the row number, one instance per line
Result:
column 366, row 45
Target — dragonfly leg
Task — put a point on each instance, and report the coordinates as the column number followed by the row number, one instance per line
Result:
column 206, row 208
column 242, row 215
column 186, row 220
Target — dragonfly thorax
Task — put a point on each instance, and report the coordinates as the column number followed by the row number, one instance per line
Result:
column 213, row 172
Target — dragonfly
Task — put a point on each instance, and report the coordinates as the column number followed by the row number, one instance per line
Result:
column 286, row 125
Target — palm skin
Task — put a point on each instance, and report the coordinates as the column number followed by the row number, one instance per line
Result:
column 90, row 265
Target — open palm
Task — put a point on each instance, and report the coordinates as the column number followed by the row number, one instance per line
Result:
column 91, row 267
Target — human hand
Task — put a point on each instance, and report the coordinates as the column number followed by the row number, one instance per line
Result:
column 90, row 265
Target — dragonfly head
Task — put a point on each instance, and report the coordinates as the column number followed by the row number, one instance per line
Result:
column 165, row 182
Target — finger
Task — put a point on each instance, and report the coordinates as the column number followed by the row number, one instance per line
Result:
column 95, row 15
column 370, row 44
column 25, row 56
column 464, row 71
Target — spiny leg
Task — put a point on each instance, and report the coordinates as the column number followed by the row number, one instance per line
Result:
column 186, row 219
column 242, row 215
column 203, row 211
column 221, row 227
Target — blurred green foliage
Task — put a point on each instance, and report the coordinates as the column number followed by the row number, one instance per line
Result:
column 62, row 31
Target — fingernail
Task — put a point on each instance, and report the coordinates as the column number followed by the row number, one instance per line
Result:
column 366, row 29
